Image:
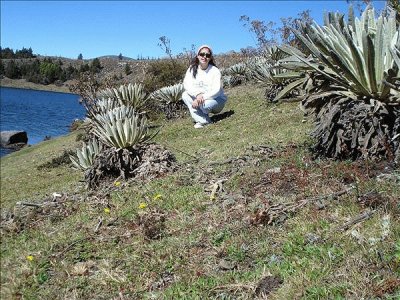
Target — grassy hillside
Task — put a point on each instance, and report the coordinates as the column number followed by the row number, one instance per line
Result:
column 247, row 213
column 112, row 68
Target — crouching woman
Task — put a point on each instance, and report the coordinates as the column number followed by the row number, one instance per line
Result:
column 203, row 90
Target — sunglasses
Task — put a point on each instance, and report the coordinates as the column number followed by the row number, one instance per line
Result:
column 208, row 55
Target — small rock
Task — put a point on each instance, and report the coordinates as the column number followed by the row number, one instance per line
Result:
column 388, row 177
column 226, row 265
column 274, row 170
column 311, row 238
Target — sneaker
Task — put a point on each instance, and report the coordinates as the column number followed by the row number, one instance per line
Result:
column 199, row 125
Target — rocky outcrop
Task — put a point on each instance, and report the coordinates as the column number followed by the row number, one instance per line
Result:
column 13, row 139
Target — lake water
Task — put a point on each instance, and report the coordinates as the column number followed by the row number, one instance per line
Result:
column 40, row 113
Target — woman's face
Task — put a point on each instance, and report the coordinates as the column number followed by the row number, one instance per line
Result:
column 204, row 56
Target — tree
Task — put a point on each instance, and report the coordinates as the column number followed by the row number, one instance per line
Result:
column 24, row 53
column 128, row 70
column 286, row 33
column 12, row 70
column 120, row 57
column 50, row 71
column 269, row 35
column 80, row 56
column 2, row 69
column 260, row 29
column 84, row 68
column 7, row 53
column 70, row 72
column 95, row 66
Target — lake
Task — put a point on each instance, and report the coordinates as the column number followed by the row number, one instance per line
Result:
column 40, row 113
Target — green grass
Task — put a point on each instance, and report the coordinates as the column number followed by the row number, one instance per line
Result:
column 315, row 258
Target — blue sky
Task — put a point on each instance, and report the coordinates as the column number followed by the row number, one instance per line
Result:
column 133, row 28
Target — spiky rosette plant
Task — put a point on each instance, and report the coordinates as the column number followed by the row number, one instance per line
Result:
column 129, row 95
column 85, row 156
column 101, row 107
column 352, row 85
column 127, row 151
column 169, row 100
column 121, row 128
column 277, row 80
column 236, row 74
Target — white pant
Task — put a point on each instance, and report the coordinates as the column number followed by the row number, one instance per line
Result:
column 210, row 105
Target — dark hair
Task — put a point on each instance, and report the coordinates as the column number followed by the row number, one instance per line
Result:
column 194, row 65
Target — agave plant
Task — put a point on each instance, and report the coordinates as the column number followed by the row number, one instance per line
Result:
column 273, row 54
column 278, row 80
column 236, row 74
column 121, row 128
column 169, row 100
column 227, row 81
column 101, row 106
column 85, row 156
column 351, row 84
column 129, row 95
column 260, row 69
column 169, row 94
column 355, row 56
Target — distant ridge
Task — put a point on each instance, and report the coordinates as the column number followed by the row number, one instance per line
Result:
column 115, row 57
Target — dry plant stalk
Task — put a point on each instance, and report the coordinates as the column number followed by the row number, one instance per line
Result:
column 275, row 213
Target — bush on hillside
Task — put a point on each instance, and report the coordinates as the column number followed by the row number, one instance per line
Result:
column 163, row 73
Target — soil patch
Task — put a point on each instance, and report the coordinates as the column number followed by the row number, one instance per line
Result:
column 267, row 285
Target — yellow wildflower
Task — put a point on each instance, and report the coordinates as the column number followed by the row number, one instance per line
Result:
column 142, row 205
column 107, row 210
column 29, row 257
column 156, row 197
column 117, row 183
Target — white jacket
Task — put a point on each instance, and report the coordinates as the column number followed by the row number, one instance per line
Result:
column 207, row 82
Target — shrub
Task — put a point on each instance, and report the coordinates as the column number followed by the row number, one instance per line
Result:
column 163, row 73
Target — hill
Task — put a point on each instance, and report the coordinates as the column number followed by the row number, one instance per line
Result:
column 112, row 67
column 115, row 57
column 247, row 213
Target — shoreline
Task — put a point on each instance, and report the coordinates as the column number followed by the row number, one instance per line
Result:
column 23, row 84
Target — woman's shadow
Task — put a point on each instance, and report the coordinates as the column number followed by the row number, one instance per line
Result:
column 221, row 116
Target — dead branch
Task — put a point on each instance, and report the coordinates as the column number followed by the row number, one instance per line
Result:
column 276, row 212
column 70, row 246
column 98, row 224
column 360, row 218
column 227, row 161
column 29, row 204
column 329, row 196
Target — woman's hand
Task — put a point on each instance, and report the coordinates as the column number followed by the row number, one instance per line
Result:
column 198, row 101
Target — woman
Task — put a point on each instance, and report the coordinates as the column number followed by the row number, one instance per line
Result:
column 203, row 91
